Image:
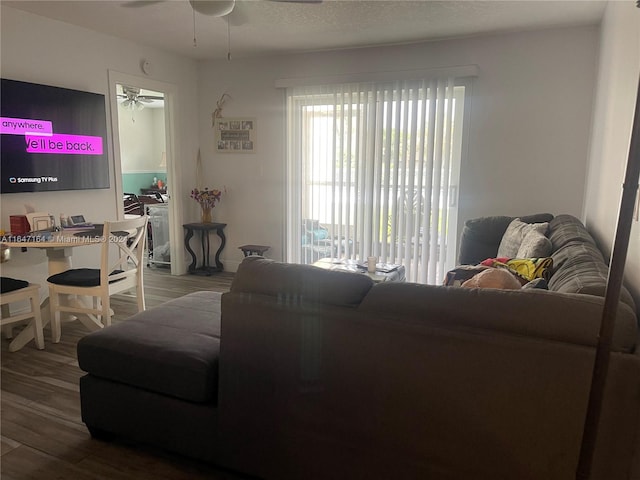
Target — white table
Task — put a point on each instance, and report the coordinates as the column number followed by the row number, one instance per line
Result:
column 58, row 250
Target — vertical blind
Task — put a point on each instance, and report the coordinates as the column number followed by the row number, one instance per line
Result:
column 372, row 171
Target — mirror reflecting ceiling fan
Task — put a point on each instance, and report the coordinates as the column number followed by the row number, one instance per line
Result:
column 132, row 98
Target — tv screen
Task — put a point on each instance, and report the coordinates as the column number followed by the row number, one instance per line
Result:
column 51, row 139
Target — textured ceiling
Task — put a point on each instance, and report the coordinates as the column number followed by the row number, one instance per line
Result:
column 261, row 27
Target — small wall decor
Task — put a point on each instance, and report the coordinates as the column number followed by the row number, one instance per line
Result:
column 235, row 135
column 217, row 113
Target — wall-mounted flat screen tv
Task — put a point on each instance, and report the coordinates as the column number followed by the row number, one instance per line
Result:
column 51, row 139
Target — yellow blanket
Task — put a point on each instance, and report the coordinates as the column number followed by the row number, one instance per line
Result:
column 525, row 268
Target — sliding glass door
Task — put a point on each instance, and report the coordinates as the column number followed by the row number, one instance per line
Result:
column 373, row 171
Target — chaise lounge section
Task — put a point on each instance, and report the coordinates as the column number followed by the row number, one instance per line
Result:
column 154, row 377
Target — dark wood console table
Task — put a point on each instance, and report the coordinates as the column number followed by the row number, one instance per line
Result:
column 204, row 229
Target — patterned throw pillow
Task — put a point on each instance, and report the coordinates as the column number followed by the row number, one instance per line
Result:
column 516, row 231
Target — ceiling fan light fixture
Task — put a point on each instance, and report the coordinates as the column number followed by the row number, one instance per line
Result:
column 213, row 8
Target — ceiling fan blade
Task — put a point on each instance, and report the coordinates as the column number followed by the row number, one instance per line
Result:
column 140, row 3
column 144, row 100
column 297, row 1
column 149, row 98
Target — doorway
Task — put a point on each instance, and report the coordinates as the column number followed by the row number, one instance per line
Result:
column 143, row 163
column 144, row 149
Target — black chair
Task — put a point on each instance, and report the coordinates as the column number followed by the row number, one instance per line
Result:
column 13, row 291
column 132, row 204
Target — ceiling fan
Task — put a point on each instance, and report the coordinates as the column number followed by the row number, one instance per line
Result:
column 133, row 99
column 212, row 8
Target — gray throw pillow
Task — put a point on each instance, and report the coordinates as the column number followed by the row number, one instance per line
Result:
column 534, row 245
column 516, row 231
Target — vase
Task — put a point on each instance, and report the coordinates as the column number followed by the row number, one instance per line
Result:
column 206, row 214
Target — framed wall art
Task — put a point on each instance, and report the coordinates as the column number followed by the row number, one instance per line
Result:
column 235, row 135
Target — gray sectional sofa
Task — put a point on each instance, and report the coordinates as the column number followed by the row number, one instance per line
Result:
column 578, row 264
column 304, row 373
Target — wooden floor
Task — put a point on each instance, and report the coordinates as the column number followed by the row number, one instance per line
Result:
column 42, row 435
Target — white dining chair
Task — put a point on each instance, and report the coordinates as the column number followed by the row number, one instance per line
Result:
column 12, row 292
column 121, row 269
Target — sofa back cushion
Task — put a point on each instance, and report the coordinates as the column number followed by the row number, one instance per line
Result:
column 567, row 230
column 578, row 265
column 531, row 313
column 300, row 283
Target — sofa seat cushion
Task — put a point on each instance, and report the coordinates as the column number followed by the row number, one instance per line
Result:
column 171, row 349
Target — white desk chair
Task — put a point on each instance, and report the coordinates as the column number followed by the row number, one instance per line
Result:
column 16, row 291
column 121, row 269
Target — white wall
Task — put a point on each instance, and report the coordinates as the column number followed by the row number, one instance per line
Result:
column 40, row 50
column 528, row 138
column 158, row 146
column 617, row 85
column 141, row 139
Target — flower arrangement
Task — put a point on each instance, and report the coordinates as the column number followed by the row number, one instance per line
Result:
column 206, row 198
